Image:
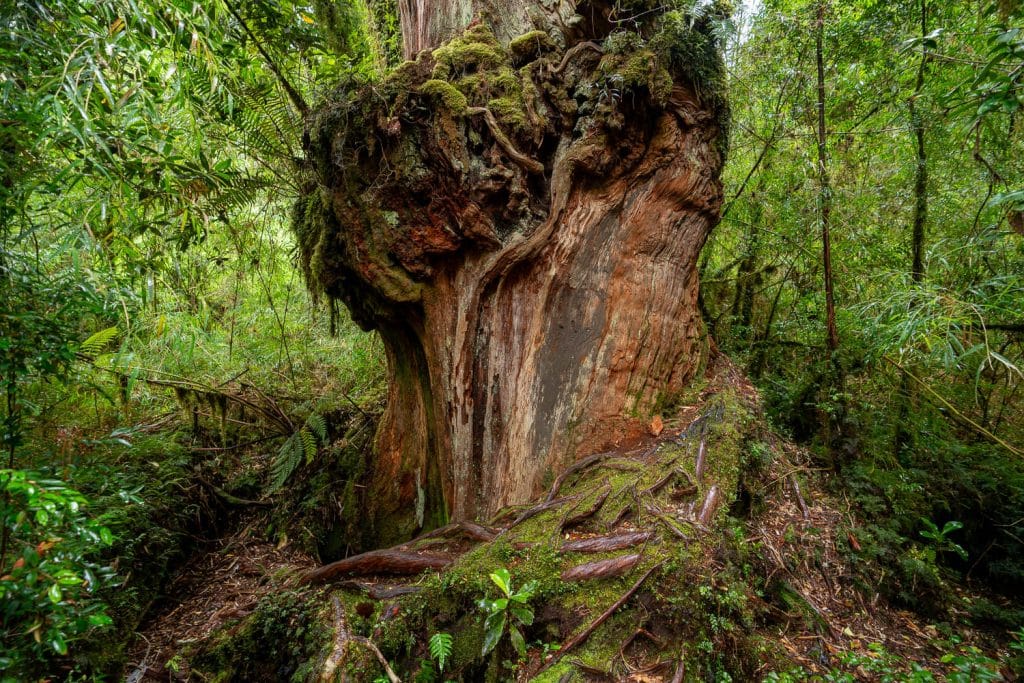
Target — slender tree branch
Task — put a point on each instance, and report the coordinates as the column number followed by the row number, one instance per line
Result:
column 293, row 94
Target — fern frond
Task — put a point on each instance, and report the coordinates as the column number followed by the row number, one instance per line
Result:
column 288, row 458
column 308, row 444
column 318, row 425
column 97, row 342
column 441, row 649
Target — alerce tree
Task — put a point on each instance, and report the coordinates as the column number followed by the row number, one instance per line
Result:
column 518, row 211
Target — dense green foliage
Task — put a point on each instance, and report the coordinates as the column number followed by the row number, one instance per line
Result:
column 929, row 404
column 162, row 365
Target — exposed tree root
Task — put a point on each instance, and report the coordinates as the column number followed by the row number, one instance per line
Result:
column 575, row 468
column 593, row 626
column 473, row 532
column 603, row 544
column 707, row 509
column 379, row 562
column 601, row 569
column 698, row 469
column 572, row 52
column 342, row 637
column 531, row 165
column 543, row 507
column 582, row 516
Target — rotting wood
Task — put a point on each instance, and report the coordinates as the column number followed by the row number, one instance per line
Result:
column 582, row 516
column 596, row 623
column 602, row 544
column 601, row 569
column 388, row 561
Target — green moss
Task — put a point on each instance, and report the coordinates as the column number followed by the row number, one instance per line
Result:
column 475, row 49
column 510, row 113
column 446, row 93
column 530, row 46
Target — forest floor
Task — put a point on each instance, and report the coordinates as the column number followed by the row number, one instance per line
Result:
column 223, row 582
column 832, row 619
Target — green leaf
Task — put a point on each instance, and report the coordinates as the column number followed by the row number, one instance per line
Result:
column 502, row 580
column 523, row 614
column 318, row 425
column 55, row 593
column 58, row 643
column 518, row 642
column 493, row 633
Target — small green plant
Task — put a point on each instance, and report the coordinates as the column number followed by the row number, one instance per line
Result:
column 509, row 611
column 940, row 542
column 971, row 665
column 302, row 444
column 441, row 649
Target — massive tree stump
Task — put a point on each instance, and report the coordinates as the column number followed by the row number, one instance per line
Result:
column 520, row 219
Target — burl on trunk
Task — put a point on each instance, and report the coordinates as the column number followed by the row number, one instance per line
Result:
column 519, row 213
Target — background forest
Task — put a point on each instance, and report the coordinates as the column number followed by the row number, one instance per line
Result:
column 166, row 372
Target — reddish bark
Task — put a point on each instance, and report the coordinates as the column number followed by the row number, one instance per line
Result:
column 535, row 287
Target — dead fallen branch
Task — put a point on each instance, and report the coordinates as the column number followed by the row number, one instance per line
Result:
column 799, row 497
column 603, row 544
column 593, row 626
column 601, row 569
column 230, row 499
column 387, row 561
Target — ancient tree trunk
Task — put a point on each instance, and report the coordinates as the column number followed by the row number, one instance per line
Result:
column 520, row 218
